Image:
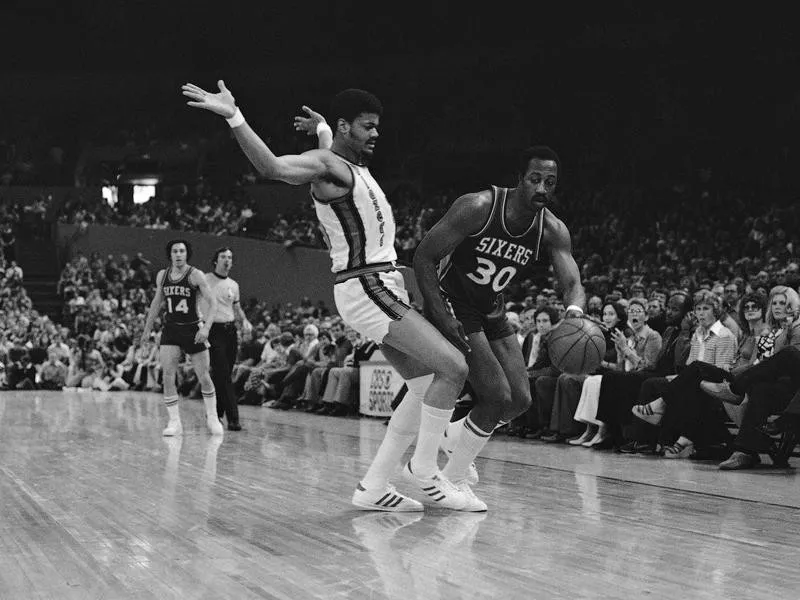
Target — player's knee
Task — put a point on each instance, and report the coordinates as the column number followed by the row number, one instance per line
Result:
column 520, row 403
column 456, row 367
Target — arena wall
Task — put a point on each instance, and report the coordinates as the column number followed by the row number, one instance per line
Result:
column 265, row 270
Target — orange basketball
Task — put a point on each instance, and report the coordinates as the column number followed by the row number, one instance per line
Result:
column 576, row 345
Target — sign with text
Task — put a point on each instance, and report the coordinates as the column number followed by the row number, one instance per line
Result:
column 378, row 385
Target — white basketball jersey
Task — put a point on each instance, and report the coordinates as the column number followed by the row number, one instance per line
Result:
column 358, row 227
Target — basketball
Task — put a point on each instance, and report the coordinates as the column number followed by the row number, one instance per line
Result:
column 576, row 345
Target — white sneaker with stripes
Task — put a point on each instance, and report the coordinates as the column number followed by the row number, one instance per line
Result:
column 438, row 490
column 387, row 499
column 474, row 504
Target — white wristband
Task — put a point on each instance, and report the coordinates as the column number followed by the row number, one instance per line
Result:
column 574, row 307
column 237, row 119
column 323, row 126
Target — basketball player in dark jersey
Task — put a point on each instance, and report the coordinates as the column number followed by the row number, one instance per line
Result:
column 177, row 287
column 485, row 241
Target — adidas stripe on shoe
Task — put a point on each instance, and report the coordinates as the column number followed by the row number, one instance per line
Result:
column 387, row 499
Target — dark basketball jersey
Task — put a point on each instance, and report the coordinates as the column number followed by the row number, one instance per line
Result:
column 483, row 264
column 181, row 299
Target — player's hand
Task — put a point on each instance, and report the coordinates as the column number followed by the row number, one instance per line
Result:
column 201, row 337
column 247, row 329
column 308, row 124
column 221, row 103
column 453, row 330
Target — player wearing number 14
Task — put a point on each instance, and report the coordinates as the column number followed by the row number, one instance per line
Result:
column 485, row 241
column 177, row 288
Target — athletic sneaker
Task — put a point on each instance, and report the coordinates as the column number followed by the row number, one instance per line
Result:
column 438, row 490
column 387, row 499
column 173, row 428
column 214, row 425
column 474, row 504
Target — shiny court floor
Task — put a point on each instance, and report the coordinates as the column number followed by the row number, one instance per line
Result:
column 96, row 504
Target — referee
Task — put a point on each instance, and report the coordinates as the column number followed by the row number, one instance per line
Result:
column 222, row 337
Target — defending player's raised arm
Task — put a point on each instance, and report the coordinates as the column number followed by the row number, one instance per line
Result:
column 315, row 124
column 197, row 278
column 155, row 306
column 295, row 169
column 564, row 265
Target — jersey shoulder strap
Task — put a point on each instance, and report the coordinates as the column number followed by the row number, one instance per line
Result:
column 497, row 193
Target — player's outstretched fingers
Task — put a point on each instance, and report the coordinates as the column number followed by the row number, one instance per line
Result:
column 190, row 87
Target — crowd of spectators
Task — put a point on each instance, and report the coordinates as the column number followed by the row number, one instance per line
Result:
column 688, row 373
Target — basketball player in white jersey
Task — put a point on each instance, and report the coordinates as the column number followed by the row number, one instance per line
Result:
column 358, row 224
column 222, row 335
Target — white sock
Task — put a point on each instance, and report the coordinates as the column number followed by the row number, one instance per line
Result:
column 400, row 433
column 433, row 422
column 470, row 443
column 210, row 400
column 171, row 402
column 451, row 434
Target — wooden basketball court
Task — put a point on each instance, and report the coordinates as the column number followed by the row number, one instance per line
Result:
column 96, row 504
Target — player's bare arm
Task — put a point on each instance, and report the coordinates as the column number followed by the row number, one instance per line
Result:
column 241, row 318
column 314, row 166
column 197, row 278
column 465, row 217
column 568, row 275
column 155, row 306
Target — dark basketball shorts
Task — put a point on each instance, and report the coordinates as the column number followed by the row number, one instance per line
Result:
column 494, row 325
column 182, row 336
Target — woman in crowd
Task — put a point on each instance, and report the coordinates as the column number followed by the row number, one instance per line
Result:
column 613, row 317
column 769, row 384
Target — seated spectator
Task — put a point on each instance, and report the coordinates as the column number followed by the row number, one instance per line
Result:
column 21, row 373
column 637, row 348
column 613, row 316
column 53, row 375
column 620, row 389
column 301, row 358
column 262, row 379
column 343, row 338
column 537, row 360
column 687, row 416
column 341, row 392
column 656, row 318
column 768, row 385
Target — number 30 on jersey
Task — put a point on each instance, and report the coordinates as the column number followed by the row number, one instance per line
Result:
column 487, row 274
column 181, row 306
